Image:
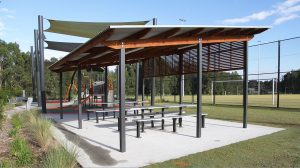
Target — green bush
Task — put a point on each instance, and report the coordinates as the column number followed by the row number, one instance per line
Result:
column 16, row 121
column 5, row 163
column 38, row 127
column 60, row 158
column 13, row 133
column 21, row 150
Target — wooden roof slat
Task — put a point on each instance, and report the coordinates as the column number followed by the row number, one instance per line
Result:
column 174, row 41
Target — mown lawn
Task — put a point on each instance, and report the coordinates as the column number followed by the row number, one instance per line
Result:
column 281, row 149
column 286, row 100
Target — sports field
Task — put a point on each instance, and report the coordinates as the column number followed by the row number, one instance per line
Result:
column 280, row 149
column 286, row 100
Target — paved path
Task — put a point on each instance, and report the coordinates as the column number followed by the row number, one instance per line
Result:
column 98, row 143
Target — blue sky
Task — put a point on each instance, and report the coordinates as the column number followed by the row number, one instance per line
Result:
column 18, row 18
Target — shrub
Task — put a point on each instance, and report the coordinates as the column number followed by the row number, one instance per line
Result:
column 22, row 152
column 41, row 132
column 60, row 158
column 38, row 127
column 5, row 163
column 13, row 133
column 16, row 121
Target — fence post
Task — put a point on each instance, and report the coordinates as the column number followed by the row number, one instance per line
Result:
column 278, row 76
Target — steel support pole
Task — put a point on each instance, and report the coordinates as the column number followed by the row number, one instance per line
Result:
column 143, row 85
column 79, row 97
column 137, row 77
column 37, row 64
column 42, row 73
column 33, row 75
column 153, row 85
column 278, row 76
column 61, row 95
column 154, row 22
column 199, row 91
column 105, row 84
column 245, row 85
column 181, row 84
column 122, row 99
column 117, row 69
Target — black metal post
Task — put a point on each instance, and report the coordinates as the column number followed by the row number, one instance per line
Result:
column 181, row 89
column 278, row 76
column 143, row 86
column 105, row 84
column 79, row 97
column 122, row 98
column 61, row 96
column 199, row 92
column 153, row 85
column 33, row 75
column 137, row 74
column 245, row 85
column 42, row 73
column 37, row 64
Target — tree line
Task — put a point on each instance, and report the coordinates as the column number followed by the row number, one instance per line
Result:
column 15, row 76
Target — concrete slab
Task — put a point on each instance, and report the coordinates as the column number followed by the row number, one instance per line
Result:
column 98, row 143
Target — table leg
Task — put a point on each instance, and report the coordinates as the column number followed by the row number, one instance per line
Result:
column 143, row 125
column 180, row 122
column 138, row 129
column 88, row 115
column 103, row 116
column 97, row 119
column 174, row 124
column 152, row 122
column 162, row 124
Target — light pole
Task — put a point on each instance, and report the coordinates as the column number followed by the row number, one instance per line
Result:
column 258, row 87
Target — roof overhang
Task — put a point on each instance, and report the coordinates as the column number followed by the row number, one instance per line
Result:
column 142, row 40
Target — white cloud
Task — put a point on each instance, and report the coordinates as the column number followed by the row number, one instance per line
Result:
column 10, row 16
column 5, row 10
column 284, row 11
column 284, row 19
column 254, row 17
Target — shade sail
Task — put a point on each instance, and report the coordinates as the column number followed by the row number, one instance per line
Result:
column 84, row 29
column 62, row 46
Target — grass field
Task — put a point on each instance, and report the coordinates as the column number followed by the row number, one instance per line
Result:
column 286, row 100
column 281, row 149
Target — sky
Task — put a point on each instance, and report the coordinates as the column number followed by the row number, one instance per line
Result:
column 18, row 19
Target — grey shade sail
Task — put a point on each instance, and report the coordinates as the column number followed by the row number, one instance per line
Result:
column 84, row 29
column 62, row 46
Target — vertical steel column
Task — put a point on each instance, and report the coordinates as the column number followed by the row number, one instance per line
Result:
column 38, row 67
column 199, row 91
column 61, row 95
column 42, row 73
column 117, row 69
column 122, row 99
column 143, row 85
column 154, row 22
column 278, row 75
column 137, row 77
column 245, row 85
column 79, row 97
column 33, row 73
column 180, row 78
column 105, row 84
column 153, row 85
